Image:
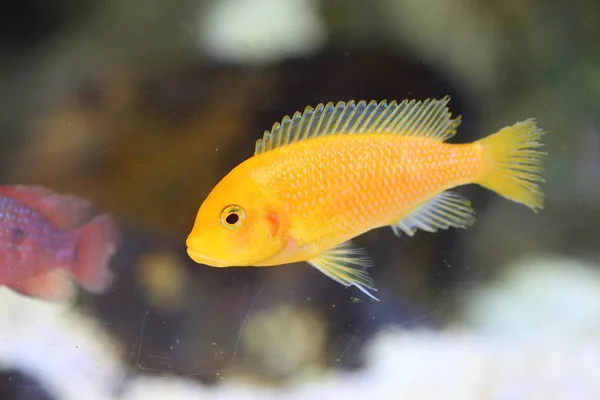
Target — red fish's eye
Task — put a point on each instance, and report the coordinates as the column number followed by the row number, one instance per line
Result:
column 232, row 217
column 17, row 235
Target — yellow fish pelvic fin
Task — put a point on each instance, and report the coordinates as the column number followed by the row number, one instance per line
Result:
column 347, row 265
column 446, row 210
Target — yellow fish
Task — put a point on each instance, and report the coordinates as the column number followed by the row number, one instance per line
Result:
column 333, row 172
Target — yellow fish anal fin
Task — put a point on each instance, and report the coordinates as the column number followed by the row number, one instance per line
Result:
column 347, row 264
column 427, row 118
column 446, row 210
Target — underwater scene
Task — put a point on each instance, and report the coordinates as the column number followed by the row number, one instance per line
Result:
column 299, row 199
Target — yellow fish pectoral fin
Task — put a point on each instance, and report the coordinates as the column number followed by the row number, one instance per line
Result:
column 446, row 210
column 347, row 265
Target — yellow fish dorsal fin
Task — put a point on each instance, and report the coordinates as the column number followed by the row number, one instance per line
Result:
column 428, row 118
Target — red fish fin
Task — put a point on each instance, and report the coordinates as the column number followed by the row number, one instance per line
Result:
column 54, row 285
column 64, row 211
column 99, row 240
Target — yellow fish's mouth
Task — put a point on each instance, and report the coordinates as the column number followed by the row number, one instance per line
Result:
column 202, row 258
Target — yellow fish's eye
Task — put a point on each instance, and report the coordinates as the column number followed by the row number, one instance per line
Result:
column 232, row 217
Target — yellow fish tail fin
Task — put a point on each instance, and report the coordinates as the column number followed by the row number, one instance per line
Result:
column 513, row 163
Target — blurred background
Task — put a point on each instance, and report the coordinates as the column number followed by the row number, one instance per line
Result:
column 142, row 107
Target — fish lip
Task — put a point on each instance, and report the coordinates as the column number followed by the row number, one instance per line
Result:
column 202, row 258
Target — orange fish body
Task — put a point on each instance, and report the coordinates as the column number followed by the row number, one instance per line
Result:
column 337, row 187
column 323, row 177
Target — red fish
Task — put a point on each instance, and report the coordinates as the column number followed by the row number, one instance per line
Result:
column 47, row 239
